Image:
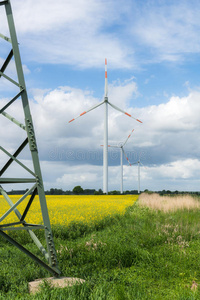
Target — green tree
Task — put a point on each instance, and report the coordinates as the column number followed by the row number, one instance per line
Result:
column 77, row 190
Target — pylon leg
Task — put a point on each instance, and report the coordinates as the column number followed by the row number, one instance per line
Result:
column 36, row 176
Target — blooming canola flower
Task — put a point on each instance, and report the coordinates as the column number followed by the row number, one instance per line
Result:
column 64, row 209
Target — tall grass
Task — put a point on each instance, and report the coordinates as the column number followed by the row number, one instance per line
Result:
column 168, row 203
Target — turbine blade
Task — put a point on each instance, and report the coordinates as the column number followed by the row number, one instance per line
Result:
column 83, row 113
column 112, row 146
column 106, row 79
column 126, row 156
column 128, row 137
column 119, row 109
column 143, row 165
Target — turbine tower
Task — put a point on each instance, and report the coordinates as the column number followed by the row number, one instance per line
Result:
column 138, row 176
column 35, row 176
column 105, row 147
column 121, row 147
column 138, row 163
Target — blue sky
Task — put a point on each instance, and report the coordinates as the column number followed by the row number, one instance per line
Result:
column 153, row 53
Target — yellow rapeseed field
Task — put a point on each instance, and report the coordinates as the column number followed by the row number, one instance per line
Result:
column 65, row 209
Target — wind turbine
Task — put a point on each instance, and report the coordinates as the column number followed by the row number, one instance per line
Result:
column 121, row 146
column 105, row 148
column 138, row 163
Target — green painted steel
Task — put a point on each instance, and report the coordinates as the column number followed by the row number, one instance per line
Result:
column 9, row 117
column 17, row 152
column 15, row 159
column 8, row 59
column 11, row 101
column 49, row 253
column 52, row 270
column 20, row 217
column 5, row 38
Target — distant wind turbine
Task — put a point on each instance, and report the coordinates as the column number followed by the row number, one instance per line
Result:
column 121, row 146
column 105, row 148
column 138, row 163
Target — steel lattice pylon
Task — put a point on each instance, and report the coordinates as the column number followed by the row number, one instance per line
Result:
column 36, row 178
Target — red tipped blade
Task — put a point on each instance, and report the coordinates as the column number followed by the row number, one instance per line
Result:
column 71, row 120
column 122, row 111
column 86, row 111
column 128, row 137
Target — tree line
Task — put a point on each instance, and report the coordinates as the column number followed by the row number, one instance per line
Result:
column 78, row 190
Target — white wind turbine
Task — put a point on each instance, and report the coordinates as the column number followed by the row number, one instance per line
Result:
column 121, row 146
column 105, row 148
column 138, row 163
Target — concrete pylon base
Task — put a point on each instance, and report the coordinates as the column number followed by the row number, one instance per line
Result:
column 34, row 286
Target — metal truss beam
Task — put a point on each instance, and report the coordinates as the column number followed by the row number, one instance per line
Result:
column 28, row 205
column 49, row 253
column 11, row 101
column 6, row 63
column 3, row 2
column 19, row 216
column 52, row 270
column 17, row 152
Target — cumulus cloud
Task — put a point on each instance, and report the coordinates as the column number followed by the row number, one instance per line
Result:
column 82, row 33
column 73, row 32
column 170, row 130
column 167, row 141
column 90, row 175
column 54, row 109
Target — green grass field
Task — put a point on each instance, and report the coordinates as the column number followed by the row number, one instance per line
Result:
column 144, row 254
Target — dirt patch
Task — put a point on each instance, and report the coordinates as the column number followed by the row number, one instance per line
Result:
column 34, row 286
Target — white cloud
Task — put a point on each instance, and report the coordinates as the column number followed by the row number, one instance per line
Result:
column 174, row 124
column 52, row 110
column 121, row 93
column 46, row 17
column 72, row 32
column 182, row 174
column 180, row 169
column 84, row 175
column 168, row 140
column 82, row 33
column 170, row 29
